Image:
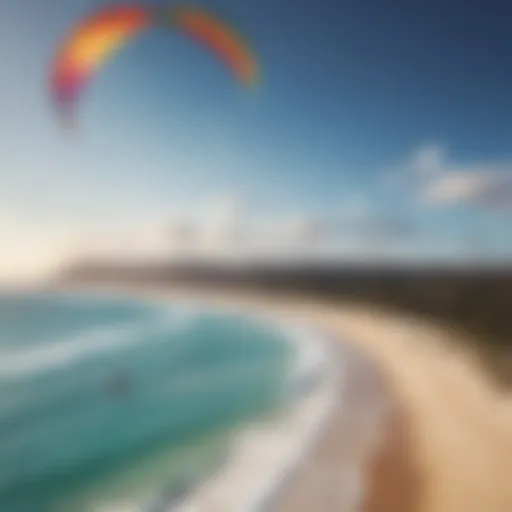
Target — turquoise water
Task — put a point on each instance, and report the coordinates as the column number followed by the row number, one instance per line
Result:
column 106, row 401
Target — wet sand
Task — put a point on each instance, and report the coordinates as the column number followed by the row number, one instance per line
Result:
column 363, row 461
column 443, row 443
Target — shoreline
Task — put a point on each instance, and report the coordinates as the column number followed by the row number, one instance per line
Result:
column 264, row 449
column 264, row 455
column 458, row 451
column 273, row 492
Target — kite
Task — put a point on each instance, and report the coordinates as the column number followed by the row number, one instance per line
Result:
column 95, row 39
column 89, row 46
column 220, row 38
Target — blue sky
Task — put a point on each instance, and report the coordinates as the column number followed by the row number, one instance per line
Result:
column 353, row 94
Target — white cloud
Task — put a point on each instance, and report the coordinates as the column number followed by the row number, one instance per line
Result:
column 490, row 189
column 455, row 187
column 498, row 193
column 424, row 163
column 429, row 159
column 436, row 181
column 220, row 232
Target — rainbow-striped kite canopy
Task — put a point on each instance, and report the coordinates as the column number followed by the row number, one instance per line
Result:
column 97, row 37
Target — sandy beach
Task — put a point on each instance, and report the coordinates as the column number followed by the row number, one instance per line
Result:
column 446, row 439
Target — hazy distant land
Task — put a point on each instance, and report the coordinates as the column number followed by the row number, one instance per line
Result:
column 475, row 301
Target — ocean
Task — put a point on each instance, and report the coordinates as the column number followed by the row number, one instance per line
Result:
column 110, row 403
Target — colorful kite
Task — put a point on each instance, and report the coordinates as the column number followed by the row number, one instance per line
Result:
column 98, row 37
column 219, row 37
column 87, row 48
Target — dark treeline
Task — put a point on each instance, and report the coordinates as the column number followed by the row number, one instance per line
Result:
column 474, row 300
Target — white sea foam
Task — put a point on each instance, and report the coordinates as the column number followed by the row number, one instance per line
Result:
column 19, row 362
column 264, row 456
